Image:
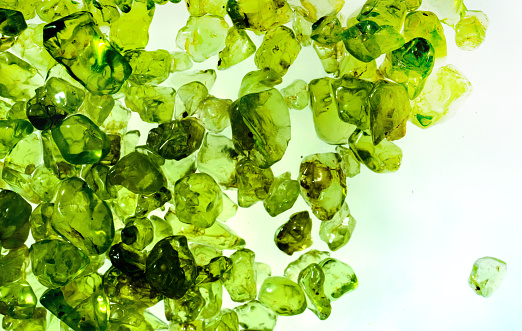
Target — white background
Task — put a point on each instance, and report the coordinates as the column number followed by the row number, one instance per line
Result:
column 456, row 197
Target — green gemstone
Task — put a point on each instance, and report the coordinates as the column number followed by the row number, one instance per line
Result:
column 170, row 268
column 330, row 55
column 327, row 30
column 238, row 48
column 175, row 170
column 213, row 112
column 11, row 132
column 425, row 24
column 337, row 232
column 203, row 254
column 14, row 219
column 51, row 10
column 263, row 271
column 36, row 323
column 296, row 94
column 296, row 234
column 131, row 30
column 17, row 300
column 487, row 275
column 104, row 12
column 180, row 61
column 351, row 66
column 259, row 81
column 129, row 261
column 253, row 183
column 188, row 99
column 470, row 31
column 97, row 107
column 206, row 77
column 154, row 104
column 448, row 11
column 352, row 95
column 214, row 271
column 282, row 195
column 213, row 295
column 26, row 7
column 94, row 61
column 278, row 50
column 138, row 233
column 254, row 315
column 12, row 22
column 283, row 296
column 258, row 15
column 20, row 79
column 82, row 218
column 302, row 28
column 41, row 227
column 29, row 45
column 381, row 158
column 312, row 256
column 349, row 162
column 44, row 183
column 177, row 139
column 202, row 37
column 96, row 179
column 226, row 320
column 148, row 67
column 114, row 153
column 339, row 278
column 240, row 280
column 384, row 12
column 185, row 309
column 202, row 7
column 315, row 9
column 14, row 265
column 129, row 291
column 412, row 5
column 312, row 279
column 149, row 203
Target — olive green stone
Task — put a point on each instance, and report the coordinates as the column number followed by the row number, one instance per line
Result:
column 12, row 22
column 206, row 77
column 127, row 318
column 312, row 279
column 44, row 183
column 352, row 95
column 51, row 10
column 349, row 162
column 180, row 61
column 425, row 24
column 312, row 256
column 202, row 37
column 261, row 126
column 282, row 195
column 351, row 66
column 154, row 104
column 26, row 7
column 315, row 9
column 53, row 158
column 104, row 12
column 82, row 218
column 368, row 40
column 203, row 254
column 213, row 112
column 328, row 125
column 36, row 323
column 14, row 265
column 410, row 65
column 330, row 55
column 41, row 222
column 17, row 300
column 149, row 203
column 148, row 67
column 14, row 219
column 177, row 139
column 263, row 271
column 138, row 173
column 213, row 295
column 80, row 141
column 444, row 91
column 487, row 275
column 278, row 50
column 191, row 326
column 258, row 15
column 238, row 47
column 384, row 12
column 55, row 262
column 338, row 231
column 175, row 170
column 82, row 288
column 29, row 45
column 20, row 79
column 214, row 271
column 97, row 107
column 188, row 99
column 77, row 43
column 218, row 158
column 470, row 31
column 11, row 132
column 42, row 113
column 218, row 235
column 16, row 111
column 253, row 183
column 131, row 30
column 381, row 158
column 412, row 5
column 259, row 81
column 296, row 234
column 389, row 111
column 339, row 278
column 323, row 184
column 114, row 152
column 185, row 309
column 240, row 280
column 90, row 314
column 327, row 30
column 254, row 315
column 296, row 94
column 138, row 232
column 96, row 179
column 129, row 291
column 302, row 28
column 283, row 296
column 202, row 7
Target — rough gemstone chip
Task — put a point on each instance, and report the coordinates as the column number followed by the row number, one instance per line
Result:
column 131, row 30
column 337, row 232
column 487, row 275
column 283, row 296
column 238, row 48
column 381, row 158
column 283, row 193
column 254, row 315
column 425, row 24
column 278, row 50
column 202, row 37
column 258, row 15
column 384, row 12
column 470, row 31
column 312, row 279
column 352, row 95
column 240, row 280
column 339, row 278
column 177, row 139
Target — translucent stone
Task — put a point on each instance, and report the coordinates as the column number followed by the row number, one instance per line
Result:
column 124, row 202
column 155, row 104
column 45, row 183
column 138, row 233
column 227, row 320
column 131, row 30
column 41, row 222
column 52, row 10
column 254, row 315
column 470, row 31
column 389, row 111
column 26, row 7
column 129, row 141
column 188, row 99
column 258, row 15
column 203, row 253
column 338, row 231
column 312, row 256
column 296, row 94
column 448, row 11
column 323, row 184
column 315, row 9
column 214, row 271
column 12, row 23
column 180, row 61
column 214, row 113
column 14, row 219
column 311, row 279
column 384, row 12
column 11, row 132
column 213, row 295
column 20, row 79
column 175, row 170
column 278, row 50
column 129, row 291
column 202, row 7
column 263, row 271
column 185, row 309
column 202, row 37
column 328, row 126
column 302, row 28
column 352, row 67
column 205, row 77
column 487, row 275
column 349, row 162
column 130, row 318
column 37, row 322
column 352, row 95
column 87, row 45
column 17, row 300
column 339, row 278
column 253, row 183
column 240, row 280
column 14, row 265
column 327, row 30
column 218, row 157
column 238, row 48
column 296, row 234
column 97, row 107
column 177, row 139
column 410, row 65
column 444, row 91
column 282, row 195
column 117, row 121
column 229, row 209
column 425, row 24
column 381, row 158
column 191, row 326
column 104, row 12
column 149, row 67
column 259, row 81
column 412, row 5
column 283, row 296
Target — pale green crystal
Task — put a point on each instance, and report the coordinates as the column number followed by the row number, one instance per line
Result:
column 312, row 256
column 131, row 30
column 470, row 31
column 487, row 275
column 426, row 25
column 214, row 113
column 202, row 37
column 240, row 280
column 338, row 231
column 188, row 99
column 349, row 162
column 258, row 15
column 339, row 278
column 19, row 78
column 311, row 279
column 149, row 67
column 180, row 61
column 381, row 158
column 278, row 50
column 296, row 94
column 282, row 195
column 315, row 9
column 51, row 10
column 330, row 55
column 258, row 81
column 283, row 296
column 238, row 48
column 226, row 321
column 218, row 157
column 155, row 104
column 384, row 12
column 202, row 7
column 29, row 45
column 254, row 315
column 253, row 183
column 205, row 77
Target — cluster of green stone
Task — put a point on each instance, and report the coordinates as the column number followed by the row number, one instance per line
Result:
column 67, row 94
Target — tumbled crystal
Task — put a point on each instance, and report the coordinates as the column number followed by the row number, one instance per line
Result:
column 19, row 78
column 138, row 232
column 352, row 95
column 240, row 280
column 148, row 67
column 302, row 28
column 206, row 77
column 425, row 24
column 238, row 48
column 77, row 43
column 151, row 202
column 188, row 99
column 412, row 5
column 14, row 219
column 129, row 291
column 312, row 256
column 214, row 271
column 315, row 9
column 278, row 50
column 203, row 254
column 44, row 182
column 12, row 22
column 351, row 66
column 180, row 61
column 131, row 30
column 349, row 162
column 381, row 158
column 282, row 195
column 127, row 260
column 283, row 296
column 384, row 12
column 97, row 107
column 258, row 15
column 254, row 315
column 312, row 279
column 214, row 113
column 339, row 278
column 29, row 45
column 296, row 94
column 470, row 31
column 37, row 322
column 263, row 271
column 258, row 81
column 41, row 222
column 330, row 55
column 338, row 231
column 487, row 275
column 296, row 234
column 253, row 183
column 202, row 37
column 177, row 139
column 155, row 104
column 448, row 11
column 213, row 295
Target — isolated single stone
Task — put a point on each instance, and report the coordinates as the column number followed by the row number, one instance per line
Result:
column 258, row 15
column 487, row 275
column 238, row 48
column 312, row 279
column 425, row 24
column 339, row 278
column 470, row 31
column 296, row 234
column 202, row 37
column 278, row 50
column 14, row 219
column 381, row 158
column 337, row 232
column 240, row 280
column 283, row 296
column 283, row 193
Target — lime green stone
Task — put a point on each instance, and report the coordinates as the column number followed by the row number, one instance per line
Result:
column 384, row 12
column 127, row 318
column 238, row 47
column 203, row 254
column 487, row 275
column 323, row 184
column 206, row 77
column 253, row 183
column 19, row 78
column 202, row 37
column 80, row 141
column 14, row 265
column 315, row 9
column 154, row 104
column 117, row 121
column 263, row 271
column 41, row 222
column 149, row 203
column 97, row 107
column 349, row 162
column 17, row 300
column 312, row 256
column 131, row 30
column 296, row 94
column 129, row 291
column 258, row 15
column 214, row 113
column 330, row 55
column 104, row 12
column 351, row 66
column 114, row 152
column 278, row 50
column 368, row 40
column 282, row 195
column 175, row 170
column 226, row 320
column 45, row 183
column 52, row 10
column 328, row 125
column 381, row 158
column 337, row 232
column 470, row 31
column 352, row 95
column 283, row 296
column 177, row 139
column 11, row 132
column 149, row 67
column 327, row 30
column 295, row 235
column 185, row 309
column 259, row 81
column 312, row 279
column 138, row 232
column 412, row 5
column 188, row 99
column 37, row 322
column 254, row 315
column 410, row 65
column 339, row 278
column 443, row 92
column 180, row 61
column 27, row 7
column 240, row 280
column 202, row 7
column 425, row 24
column 213, row 295
column 302, row 28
